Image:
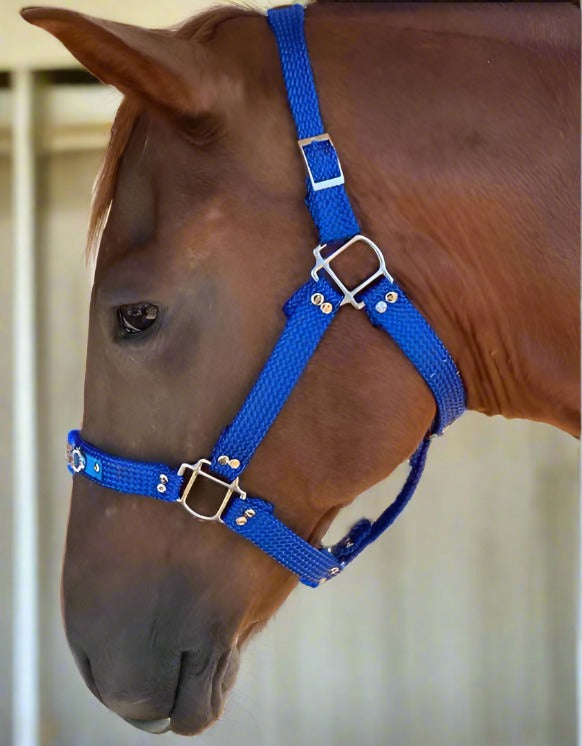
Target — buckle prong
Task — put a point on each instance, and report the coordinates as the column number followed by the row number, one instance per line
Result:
column 197, row 470
column 324, row 262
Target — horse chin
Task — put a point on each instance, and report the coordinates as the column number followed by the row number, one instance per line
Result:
column 191, row 715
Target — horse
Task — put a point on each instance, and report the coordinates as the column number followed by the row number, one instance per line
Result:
column 459, row 137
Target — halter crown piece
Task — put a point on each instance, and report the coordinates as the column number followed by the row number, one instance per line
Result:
column 309, row 313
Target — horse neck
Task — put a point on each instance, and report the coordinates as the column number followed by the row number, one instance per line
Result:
column 461, row 154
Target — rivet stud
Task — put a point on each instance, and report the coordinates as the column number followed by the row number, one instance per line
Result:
column 96, row 468
column 381, row 306
column 249, row 512
column 317, row 299
column 326, row 308
column 391, row 297
column 223, row 460
column 241, row 520
column 161, row 488
column 234, row 463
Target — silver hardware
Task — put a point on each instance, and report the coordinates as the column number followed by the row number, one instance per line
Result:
column 161, row 488
column 326, row 308
column 334, row 571
column 322, row 262
column 197, row 469
column 391, row 297
column 163, row 479
column 249, row 512
column 326, row 183
column 381, row 306
column 96, row 468
column 241, row 520
column 234, row 463
column 317, row 299
column 75, row 459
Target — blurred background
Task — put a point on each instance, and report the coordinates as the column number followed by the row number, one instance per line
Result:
column 458, row 627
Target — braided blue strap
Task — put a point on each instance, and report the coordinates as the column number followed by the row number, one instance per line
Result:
column 120, row 474
column 309, row 313
column 389, row 309
column 252, row 518
column 326, row 198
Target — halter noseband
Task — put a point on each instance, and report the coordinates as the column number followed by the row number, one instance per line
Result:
column 309, row 313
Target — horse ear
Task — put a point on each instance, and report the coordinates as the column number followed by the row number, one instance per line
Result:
column 153, row 65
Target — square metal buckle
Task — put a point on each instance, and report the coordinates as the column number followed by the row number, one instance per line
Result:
column 324, row 262
column 232, row 488
column 325, row 183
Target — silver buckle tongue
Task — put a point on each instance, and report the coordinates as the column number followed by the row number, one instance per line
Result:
column 324, row 262
column 232, row 488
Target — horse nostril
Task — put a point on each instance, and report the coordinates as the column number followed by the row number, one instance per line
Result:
column 150, row 726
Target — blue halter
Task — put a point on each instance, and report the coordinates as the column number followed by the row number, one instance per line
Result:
column 309, row 313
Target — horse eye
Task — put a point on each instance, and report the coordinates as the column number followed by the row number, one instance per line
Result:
column 135, row 318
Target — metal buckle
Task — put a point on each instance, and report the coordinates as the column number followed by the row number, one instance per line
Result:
column 322, row 262
column 326, row 183
column 231, row 488
column 75, row 459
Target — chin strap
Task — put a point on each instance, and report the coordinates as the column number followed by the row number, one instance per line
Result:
column 309, row 313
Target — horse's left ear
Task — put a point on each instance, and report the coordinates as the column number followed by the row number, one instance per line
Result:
column 169, row 73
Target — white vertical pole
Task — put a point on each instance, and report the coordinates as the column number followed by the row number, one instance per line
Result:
column 25, row 708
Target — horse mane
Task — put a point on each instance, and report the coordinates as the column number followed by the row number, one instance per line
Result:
column 199, row 28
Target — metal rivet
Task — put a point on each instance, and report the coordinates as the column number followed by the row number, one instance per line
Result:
column 334, row 571
column 96, row 468
column 381, row 306
column 317, row 299
column 326, row 308
column 223, row 460
column 391, row 297
column 241, row 521
column 163, row 479
column 161, row 488
column 234, row 463
column 249, row 513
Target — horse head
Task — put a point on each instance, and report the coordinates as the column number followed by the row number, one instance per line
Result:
column 203, row 235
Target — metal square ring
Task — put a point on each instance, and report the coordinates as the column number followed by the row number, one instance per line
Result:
column 232, row 488
column 324, row 262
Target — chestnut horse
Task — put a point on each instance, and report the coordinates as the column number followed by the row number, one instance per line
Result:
column 458, row 131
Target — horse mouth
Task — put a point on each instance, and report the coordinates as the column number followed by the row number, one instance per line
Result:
column 187, row 719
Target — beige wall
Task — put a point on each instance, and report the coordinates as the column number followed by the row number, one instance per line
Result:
column 458, row 628
column 5, row 446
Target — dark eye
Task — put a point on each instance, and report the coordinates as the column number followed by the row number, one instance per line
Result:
column 135, row 318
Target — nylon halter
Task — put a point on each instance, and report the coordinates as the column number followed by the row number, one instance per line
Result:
column 309, row 313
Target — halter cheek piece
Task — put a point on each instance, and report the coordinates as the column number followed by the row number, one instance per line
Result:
column 309, row 313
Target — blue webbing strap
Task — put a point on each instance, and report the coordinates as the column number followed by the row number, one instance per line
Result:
column 330, row 206
column 421, row 345
column 311, row 564
column 306, row 325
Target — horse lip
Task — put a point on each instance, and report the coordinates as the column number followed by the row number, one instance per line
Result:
column 151, row 726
